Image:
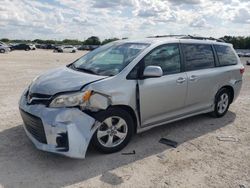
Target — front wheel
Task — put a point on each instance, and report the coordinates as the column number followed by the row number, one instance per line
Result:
column 115, row 131
column 2, row 51
column 222, row 102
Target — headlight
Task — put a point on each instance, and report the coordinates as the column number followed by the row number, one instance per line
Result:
column 70, row 100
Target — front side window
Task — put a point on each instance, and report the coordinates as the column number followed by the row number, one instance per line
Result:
column 198, row 56
column 109, row 59
column 226, row 55
column 167, row 57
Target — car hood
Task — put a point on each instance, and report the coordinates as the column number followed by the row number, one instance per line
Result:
column 61, row 80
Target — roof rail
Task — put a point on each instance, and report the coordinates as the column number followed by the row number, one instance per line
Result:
column 160, row 36
column 188, row 37
column 201, row 38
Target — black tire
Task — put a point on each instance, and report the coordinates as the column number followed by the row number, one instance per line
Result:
column 27, row 49
column 73, row 51
column 225, row 92
column 118, row 112
column 2, row 51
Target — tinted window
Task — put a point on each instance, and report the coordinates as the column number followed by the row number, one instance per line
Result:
column 198, row 56
column 226, row 55
column 134, row 74
column 167, row 57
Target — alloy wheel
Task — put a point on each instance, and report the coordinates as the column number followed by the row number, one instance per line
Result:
column 223, row 103
column 112, row 131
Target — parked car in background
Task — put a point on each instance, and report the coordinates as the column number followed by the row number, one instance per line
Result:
column 93, row 47
column 45, row 46
column 83, row 47
column 32, row 46
column 2, row 43
column 247, row 55
column 69, row 49
column 241, row 54
column 4, row 48
column 25, row 47
column 57, row 49
column 88, row 47
column 127, row 87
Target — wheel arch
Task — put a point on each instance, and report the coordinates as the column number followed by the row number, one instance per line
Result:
column 230, row 89
column 130, row 111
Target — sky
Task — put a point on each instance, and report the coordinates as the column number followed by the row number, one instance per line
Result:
column 80, row 19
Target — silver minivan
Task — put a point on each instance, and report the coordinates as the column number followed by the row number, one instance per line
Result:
column 127, row 87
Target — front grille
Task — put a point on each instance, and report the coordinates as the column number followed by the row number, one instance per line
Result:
column 37, row 98
column 34, row 126
column 43, row 102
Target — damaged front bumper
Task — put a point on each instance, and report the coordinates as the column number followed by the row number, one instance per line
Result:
column 65, row 131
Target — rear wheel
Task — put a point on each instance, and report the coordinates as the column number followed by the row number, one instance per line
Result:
column 222, row 102
column 115, row 131
column 2, row 51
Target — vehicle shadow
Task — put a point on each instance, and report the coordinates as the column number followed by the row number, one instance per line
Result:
column 24, row 166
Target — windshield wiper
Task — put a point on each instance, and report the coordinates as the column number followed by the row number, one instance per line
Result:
column 84, row 69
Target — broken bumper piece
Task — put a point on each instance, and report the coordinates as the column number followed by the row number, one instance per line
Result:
column 65, row 131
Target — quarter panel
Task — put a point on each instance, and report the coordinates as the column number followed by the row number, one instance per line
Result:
column 201, row 91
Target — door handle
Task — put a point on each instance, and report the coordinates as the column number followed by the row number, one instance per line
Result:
column 180, row 80
column 193, row 78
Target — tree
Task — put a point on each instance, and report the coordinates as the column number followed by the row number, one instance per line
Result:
column 71, row 42
column 92, row 41
column 238, row 42
column 5, row 40
column 38, row 41
column 109, row 40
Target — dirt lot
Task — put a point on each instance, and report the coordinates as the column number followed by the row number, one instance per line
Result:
column 200, row 160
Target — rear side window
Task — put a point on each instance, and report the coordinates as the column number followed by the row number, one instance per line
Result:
column 226, row 55
column 198, row 56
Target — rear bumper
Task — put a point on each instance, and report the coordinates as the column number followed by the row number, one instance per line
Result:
column 67, row 131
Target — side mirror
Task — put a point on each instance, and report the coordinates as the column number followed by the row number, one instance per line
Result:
column 152, row 72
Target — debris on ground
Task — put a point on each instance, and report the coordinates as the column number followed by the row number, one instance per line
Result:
column 168, row 142
column 161, row 156
column 242, row 186
column 227, row 139
column 129, row 153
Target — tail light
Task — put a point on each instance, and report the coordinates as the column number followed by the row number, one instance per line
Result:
column 242, row 70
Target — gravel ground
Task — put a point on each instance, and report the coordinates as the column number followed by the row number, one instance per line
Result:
column 200, row 160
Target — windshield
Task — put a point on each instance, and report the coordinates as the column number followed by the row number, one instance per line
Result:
column 109, row 59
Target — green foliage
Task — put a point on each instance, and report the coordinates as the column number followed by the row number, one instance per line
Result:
column 238, row 42
column 71, row 42
column 5, row 40
column 92, row 41
column 109, row 40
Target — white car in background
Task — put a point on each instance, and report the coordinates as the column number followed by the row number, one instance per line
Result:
column 32, row 46
column 69, row 49
column 4, row 48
